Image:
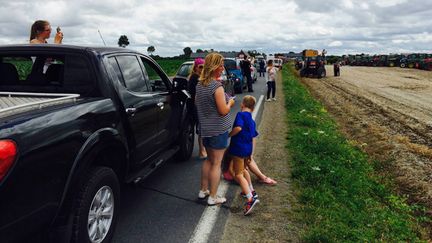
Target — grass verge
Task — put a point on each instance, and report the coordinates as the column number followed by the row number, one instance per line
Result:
column 170, row 66
column 341, row 197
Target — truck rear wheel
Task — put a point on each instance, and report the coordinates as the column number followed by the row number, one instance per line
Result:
column 96, row 208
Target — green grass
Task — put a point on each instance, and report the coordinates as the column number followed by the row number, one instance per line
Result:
column 341, row 197
column 170, row 66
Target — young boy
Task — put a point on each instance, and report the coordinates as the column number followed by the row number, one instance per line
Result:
column 240, row 150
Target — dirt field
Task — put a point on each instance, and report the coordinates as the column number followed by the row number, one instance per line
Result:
column 388, row 112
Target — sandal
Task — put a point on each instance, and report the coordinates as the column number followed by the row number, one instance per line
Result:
column 268, row 181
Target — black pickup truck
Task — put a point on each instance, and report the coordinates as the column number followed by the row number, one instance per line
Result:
column 76, row 123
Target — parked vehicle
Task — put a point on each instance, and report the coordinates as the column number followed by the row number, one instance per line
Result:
column 314, row 64
column 232, row 66
column 228, row 82
column 392, row 60
column 379, row 60
column 277, row 62
column 411, row 60
column 76, row 123
column 426, row 63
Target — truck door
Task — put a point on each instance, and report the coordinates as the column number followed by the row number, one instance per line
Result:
column 140, row 105
column 168, row 116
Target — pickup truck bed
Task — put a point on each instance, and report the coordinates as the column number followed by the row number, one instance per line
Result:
column 14, row 102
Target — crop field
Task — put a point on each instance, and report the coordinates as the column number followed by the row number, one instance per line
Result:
column 388, row 113
column 170, row 66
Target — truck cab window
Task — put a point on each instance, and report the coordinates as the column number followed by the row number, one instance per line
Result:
column 132, row 73
column 156, row 82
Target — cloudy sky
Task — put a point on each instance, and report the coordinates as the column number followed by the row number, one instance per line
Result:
column 339, row 26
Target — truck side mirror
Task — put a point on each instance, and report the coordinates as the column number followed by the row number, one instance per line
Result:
column 180, row 83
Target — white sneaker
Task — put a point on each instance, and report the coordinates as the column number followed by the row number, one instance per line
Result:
column 274, row 99
column 203, row 194
column 213, row 201
column 268, row 100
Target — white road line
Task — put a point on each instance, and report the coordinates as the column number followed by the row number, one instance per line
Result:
column 208, row 219
column 258, row 106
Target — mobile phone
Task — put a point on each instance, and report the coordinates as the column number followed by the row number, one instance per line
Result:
column 58, row 29
column 233, row 97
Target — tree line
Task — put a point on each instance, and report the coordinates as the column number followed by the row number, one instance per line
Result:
column 187, row 51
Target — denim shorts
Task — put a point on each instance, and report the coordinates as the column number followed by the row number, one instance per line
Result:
column 216, row 142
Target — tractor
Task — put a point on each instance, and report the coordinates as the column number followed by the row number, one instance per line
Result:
column 313, row 64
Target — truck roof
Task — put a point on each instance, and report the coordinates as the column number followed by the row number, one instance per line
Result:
column 102, row 50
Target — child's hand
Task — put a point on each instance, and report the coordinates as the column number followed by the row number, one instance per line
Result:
column 231, row 102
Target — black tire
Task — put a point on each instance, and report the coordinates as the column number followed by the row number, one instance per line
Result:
column 391, row 64
column 100, row 181
column 321, row 73
column 239, row 89
column 402, row 65
column 410, row 65
column 186, row 140
column 302, row 73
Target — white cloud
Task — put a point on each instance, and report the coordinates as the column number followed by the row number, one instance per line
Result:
column 341, row 27
column 335, row 43
column 389, row 3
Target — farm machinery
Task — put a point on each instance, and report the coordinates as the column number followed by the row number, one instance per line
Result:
column 391, row 60
column 314, row 64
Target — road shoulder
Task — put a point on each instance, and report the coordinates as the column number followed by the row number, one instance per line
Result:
column 273, row 219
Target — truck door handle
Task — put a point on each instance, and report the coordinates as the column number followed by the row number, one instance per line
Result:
column 131, row 111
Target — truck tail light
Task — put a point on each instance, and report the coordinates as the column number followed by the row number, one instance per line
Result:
column 8, row 152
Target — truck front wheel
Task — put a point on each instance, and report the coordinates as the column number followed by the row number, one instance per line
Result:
column 96, row 207
column 302, row 72
column 321, row 73
column 186, row 140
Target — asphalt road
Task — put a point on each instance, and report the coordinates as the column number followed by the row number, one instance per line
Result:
column 164, row 207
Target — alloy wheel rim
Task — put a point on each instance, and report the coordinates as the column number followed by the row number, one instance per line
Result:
column 100, row 214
